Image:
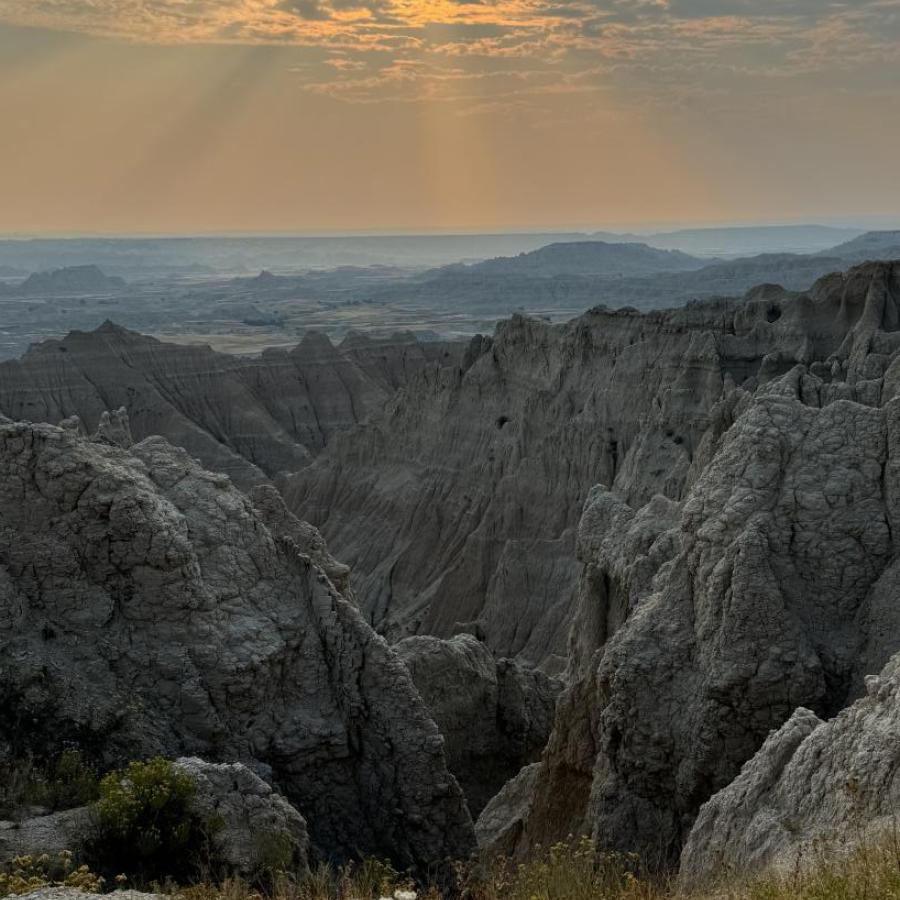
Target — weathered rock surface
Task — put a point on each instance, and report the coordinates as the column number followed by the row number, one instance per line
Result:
column 146, row 608
column 63, row 893
column 248, row 417
column 814, row 787
column 248, row 814
column 458, row 506
column 500, row 827
column 704, row 623
column 495, row 715
column 48, row 834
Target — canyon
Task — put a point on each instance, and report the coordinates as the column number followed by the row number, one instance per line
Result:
column 632, row 576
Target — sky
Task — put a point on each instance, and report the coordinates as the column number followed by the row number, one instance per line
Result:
column 308, row 116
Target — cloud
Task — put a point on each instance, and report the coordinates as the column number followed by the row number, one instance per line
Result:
column 645, row 46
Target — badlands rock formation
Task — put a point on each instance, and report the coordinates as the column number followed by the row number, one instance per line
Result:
column 457, row 508
column 146, row 607
column 248, row 417
column 495, row 715
column 707, row 499
column 705, row 623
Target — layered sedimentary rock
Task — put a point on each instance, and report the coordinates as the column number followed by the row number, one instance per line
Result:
column 147, row 608
column 457, row 507
column 813, row 789
column 248, row 417
column 495, row 715
column 704, row 623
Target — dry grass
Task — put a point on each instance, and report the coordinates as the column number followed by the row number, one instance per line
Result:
column 570, row 871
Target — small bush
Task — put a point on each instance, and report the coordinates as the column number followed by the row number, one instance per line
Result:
column 273, row 853
column 145, row 825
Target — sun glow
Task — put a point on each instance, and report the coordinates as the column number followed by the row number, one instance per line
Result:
column 308, row 114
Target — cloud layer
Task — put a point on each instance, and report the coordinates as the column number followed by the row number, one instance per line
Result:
column 424, row 49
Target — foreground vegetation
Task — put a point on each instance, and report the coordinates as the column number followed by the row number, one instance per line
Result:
column 570, row 871
column 146, row 837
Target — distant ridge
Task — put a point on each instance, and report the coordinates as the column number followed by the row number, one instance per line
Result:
column 873, row 245
column 598, row 258
column 72, row 279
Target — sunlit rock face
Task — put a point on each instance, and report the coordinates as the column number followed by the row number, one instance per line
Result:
column 814, row 788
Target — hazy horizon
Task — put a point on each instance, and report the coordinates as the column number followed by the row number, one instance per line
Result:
column 850, row 223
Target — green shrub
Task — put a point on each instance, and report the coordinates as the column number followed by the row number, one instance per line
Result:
column 273, row 852
column 145, row 825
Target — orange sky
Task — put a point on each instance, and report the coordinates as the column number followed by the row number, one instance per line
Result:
column 312, row 115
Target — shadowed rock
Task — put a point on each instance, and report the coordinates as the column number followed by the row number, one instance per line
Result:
column 146, row 608
column 495, row 715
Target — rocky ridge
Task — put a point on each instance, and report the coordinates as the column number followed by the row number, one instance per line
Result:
column 705, row 621
column 248, row 417
column 738, row 571
column 147, row 607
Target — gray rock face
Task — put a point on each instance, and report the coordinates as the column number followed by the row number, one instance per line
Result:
column 704, row 623
column 508, row 444
column 61, row 893
column 250, row 418
column 48, row 834
column 500, row 827
column 813, row 787
column 250, row 817
column 146, row 608
column 495, row 715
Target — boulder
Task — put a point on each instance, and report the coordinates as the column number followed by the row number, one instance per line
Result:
column 499, row 829
column 495, row 715
column 252, row 822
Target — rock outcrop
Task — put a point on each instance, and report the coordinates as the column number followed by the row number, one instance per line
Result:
column 249, row 817
column 495, row 715
column 704, row 623
column 67, row 893
column 146, row 608
column 248, row 417
column 48, row 834
column 500, row 826
column 813, row 788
